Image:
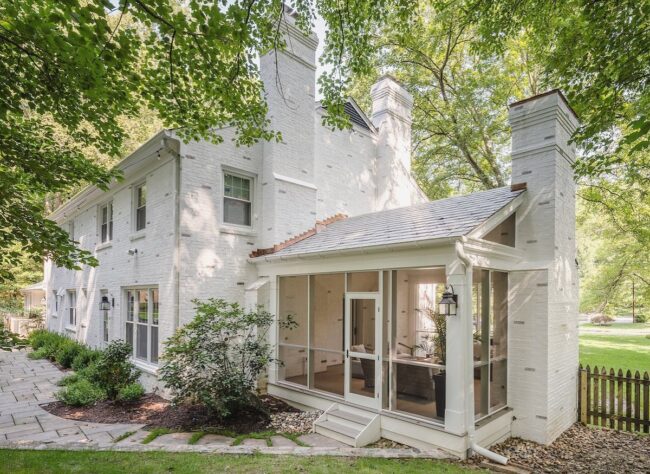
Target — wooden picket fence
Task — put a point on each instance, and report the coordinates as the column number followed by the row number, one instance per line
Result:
column 614, row 400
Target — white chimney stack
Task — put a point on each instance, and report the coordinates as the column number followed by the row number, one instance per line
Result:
column 392, row 106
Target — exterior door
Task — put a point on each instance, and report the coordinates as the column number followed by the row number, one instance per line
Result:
column 363, row 349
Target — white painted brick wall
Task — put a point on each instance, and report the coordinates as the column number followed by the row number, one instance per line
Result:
column 544, row 303
column 328, row 172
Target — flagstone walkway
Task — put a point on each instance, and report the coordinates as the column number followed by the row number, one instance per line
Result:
column 25, row 384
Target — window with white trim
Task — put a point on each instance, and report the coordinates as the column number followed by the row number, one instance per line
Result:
column 72, row 308
column 71, row 229
column 142, row 323
column 106, row 222
column 237, row 199
column 104, row 315
column 140, row 199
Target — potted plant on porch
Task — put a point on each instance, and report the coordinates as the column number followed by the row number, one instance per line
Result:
column 438, row 342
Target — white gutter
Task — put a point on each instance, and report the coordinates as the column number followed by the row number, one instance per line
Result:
column 469, row 368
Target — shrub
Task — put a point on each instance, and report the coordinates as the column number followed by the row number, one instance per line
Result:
column 217, row 358
column 113, row 370
column 602, row 320
column 80, row 393
column 66, row 353
column 130, row 393
column 43, row 337
column 68, row 380
column 48, row 351
column 85, row 358
column 641, row 318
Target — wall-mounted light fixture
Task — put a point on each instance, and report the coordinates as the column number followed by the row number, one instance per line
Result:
column 104, row 304
column 449, row 302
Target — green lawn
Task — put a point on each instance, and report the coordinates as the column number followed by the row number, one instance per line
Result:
column 154, row 462
column 619, row 346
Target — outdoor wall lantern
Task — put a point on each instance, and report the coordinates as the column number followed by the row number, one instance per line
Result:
column 448, row 302
column 104, row 304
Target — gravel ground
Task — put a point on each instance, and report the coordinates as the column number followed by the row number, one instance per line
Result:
column 582, row 449
column 298, row 422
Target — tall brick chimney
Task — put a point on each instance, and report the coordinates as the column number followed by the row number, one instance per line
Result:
column 289, row 77
column 543, row 305
column 391, row 114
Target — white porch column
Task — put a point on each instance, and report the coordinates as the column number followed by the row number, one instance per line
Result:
column 459, row 380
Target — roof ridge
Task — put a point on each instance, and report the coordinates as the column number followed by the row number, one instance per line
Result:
column 319, row 226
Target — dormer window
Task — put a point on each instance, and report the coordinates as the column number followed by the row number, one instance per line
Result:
column 237, row 200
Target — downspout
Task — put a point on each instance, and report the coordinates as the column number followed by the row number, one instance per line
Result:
column 469, row 399
column 177, row 238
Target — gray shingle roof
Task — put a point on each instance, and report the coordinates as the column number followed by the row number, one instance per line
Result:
column 452, row 217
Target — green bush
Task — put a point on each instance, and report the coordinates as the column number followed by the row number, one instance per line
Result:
column 113, row 370
column 85, row 358
column 81, row 393
column 67, row 352
column 233, row 344
column 68, row 380
column 130, row 393
column 48, row 351
column 43, row 337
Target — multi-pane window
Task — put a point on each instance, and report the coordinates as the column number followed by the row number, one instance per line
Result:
column 140, row 207
column 72, row 308
column 237, row 200
column 104, row 316
column 142, row 323
column 106, row 222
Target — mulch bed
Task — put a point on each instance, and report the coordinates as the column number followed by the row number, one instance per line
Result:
column 156, row 412
column 582, row 449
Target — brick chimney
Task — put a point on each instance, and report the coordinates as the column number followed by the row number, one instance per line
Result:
column 391, row 114
column 543, row 303
column 289, row 77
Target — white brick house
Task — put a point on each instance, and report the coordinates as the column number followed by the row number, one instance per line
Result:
column 199, row 220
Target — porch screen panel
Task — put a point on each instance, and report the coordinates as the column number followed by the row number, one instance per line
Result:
column 363, row 281
column 293, row 335
column 327, row 300
column 499, row 338
column 481, row 317
column 490, row 311
column 417, row 372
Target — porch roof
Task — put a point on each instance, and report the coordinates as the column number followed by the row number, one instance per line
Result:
column 445, row 218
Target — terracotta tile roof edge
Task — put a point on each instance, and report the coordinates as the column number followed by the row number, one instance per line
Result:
column 319, row 227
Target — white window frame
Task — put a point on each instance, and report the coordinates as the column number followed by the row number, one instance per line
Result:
column 135, row 206
column 109, row 222
column 149, row 324
column 71, row 308
column 104, row 320
column 251, row 190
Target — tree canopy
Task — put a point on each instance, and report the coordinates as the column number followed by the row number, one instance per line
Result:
column 70, row 72
column 76, row 78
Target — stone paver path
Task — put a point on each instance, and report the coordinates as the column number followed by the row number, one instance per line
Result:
column 25, row 384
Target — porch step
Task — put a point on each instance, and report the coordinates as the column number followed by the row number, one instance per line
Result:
column 340, row 429
column 355, row 428
column 349, row 418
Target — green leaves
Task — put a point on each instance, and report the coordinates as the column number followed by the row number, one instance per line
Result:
column 73, row 73
column 217, row 357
